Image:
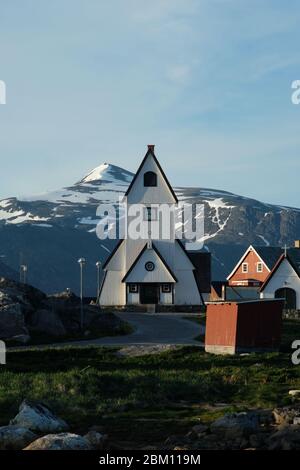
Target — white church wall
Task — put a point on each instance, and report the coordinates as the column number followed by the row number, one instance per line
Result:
column 166, row 298
column 174, row 255
column 186, row 290
column 159, row 194
column 284, row 277
column 140, row 274
column 132, row 250
column 113, row 291
column 117, row 262
column 133, row 298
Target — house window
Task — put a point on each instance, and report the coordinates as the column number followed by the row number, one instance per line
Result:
column 166, row 288
column 244, row 267
column 133, row 288
column 150, row 179
column 259, row 267
column 150, row 214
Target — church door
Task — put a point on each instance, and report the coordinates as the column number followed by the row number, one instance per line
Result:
column 290, row 297
column 149, row 293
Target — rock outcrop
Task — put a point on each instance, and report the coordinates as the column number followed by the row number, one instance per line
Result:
column 63, row 441
column 38, row 418
column 15, row 437
column 234, row 425
column 256, row 430
column 47, row 322
column 26, row 312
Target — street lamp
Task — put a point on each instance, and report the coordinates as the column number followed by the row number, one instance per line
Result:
column 23, row 272
column 98, row 266
column 81, row 262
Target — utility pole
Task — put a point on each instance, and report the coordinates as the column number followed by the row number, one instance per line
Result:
column 98, row 266
column 82, row 263
column 23, row 273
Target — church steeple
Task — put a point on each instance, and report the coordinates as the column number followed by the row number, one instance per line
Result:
column 150, row 184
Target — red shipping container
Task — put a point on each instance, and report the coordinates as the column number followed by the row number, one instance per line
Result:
column 243, row 326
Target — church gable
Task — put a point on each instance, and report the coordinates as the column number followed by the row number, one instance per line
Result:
column 150, row 184
column 150, row 267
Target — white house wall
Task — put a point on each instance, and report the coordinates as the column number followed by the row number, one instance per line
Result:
column 284, row 277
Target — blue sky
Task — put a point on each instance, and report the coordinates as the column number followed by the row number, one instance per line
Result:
column 207, row 81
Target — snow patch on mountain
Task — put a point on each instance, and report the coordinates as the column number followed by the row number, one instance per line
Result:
column 267, row 243
column 18, row 217
column 96, row 173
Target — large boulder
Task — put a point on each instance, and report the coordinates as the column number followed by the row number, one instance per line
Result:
column 39, row 418
column 12, row 320
column 29, row 297
column 63, row 441
column 15, row 437
column 48, row 322
column 96, row 439
column 286, row 438
column 233, row 425
column 17, row 302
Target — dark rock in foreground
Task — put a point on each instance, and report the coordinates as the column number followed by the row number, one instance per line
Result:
column 26, row 311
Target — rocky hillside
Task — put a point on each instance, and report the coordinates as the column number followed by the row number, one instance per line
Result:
column 28, row 315
column 45, row 229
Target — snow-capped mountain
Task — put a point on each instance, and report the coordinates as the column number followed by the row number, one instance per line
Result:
column 48, row 228
column 73, row 206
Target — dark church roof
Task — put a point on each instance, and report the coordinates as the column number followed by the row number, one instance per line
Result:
column 202, row 262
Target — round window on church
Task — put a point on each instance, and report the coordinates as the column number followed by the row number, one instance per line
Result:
column 149, row 266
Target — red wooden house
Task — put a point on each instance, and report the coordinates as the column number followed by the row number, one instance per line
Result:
column 254, row 266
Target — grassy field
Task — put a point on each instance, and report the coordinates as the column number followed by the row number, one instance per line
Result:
column 145, row 399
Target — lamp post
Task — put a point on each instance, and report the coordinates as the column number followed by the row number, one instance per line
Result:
column 81, row 262
column 23, row 272
column 98, row 266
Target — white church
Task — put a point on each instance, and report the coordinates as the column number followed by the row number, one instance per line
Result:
column 152, row 270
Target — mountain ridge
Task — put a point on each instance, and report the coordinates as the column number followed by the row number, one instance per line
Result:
column 232, row 222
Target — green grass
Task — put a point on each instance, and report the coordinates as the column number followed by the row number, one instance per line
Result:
column 147, row 398
column 290, row 332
